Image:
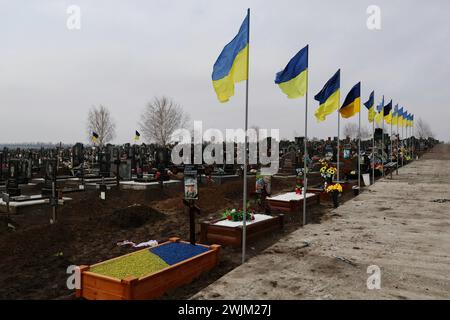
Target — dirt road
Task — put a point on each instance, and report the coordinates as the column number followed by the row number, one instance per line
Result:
column 400, row 225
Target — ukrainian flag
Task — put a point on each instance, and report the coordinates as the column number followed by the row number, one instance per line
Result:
column 387, row 112
column 352, row 102
column 329, row 97
column 395, row 115
column 379, row 116
column 409, row 120
column 137, row 136
column 232, row 64
column 293, row 80
column 399, row 116
column 94, row 136
column 370, row 105
column 412, row 120
column 403, row 118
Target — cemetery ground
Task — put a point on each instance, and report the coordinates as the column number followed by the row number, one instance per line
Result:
column 400, row 225
column 35, row 256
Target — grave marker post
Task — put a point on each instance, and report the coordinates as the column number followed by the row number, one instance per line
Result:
column 190, row 196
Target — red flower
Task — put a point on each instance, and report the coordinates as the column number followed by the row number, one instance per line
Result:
column 229, row 217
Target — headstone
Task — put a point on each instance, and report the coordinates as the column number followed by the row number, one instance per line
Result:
column 105, row 164
column 13, row 173
column 50, row 166
column 125, row 170
column 77, row 155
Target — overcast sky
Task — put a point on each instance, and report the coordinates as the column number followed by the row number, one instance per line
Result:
column 127, row 52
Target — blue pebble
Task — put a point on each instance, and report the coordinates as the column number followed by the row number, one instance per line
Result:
column 175, row 252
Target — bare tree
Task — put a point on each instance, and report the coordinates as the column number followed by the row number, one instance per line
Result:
column 101, row 122
column 423, row 129
column 365, row 133
column 351, row 130
column 160, row 119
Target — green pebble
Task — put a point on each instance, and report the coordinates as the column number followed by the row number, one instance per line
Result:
column 138, row 264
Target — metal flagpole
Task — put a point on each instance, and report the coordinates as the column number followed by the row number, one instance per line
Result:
column 305, row 151
column 403, row 136
column 339, row 138
column 373, row 142
column 359, row 150
column 397, row 142
column 414, row 147
column 382, row 139
column 339, row 144
column 390, row 139
column 244, row 205
column 410, row 141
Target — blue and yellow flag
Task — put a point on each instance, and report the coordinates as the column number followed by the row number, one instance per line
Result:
column 394, row 115
column 400, row 117
column 328, row 97
column 94, row 136
column 293, row 80
column 403, row 118
column 352, row 102
column 370, row 105
column 232, row 64
column 409, row 120
column 137, row 136
column 387, row 111
column 379, row 116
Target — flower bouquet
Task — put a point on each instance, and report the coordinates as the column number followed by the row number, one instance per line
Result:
column 238, row 215
column 335, row 190
column 327, row 172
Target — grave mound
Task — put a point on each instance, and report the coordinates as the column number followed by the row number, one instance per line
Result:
column 135, row 216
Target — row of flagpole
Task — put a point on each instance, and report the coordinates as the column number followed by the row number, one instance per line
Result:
column 231, row 66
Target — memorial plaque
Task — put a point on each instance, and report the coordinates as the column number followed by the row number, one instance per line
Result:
column 190, row 183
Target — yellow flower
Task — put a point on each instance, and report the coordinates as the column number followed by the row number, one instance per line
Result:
column 334, row 187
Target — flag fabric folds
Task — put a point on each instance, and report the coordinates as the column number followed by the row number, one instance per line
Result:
column 403, row 118
column 379, row 116
column 94, row 136
column 293, row 80
column 400, row 117
column 394, row 115
column 409, row 120
column 328, row 97
column 388, row 112
column 232, row 64
column 352, row 102
column 137, row 136
column 370, row 105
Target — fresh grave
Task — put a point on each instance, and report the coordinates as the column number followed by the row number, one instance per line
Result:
column 147, row 273
column 147, row 261
column 229, row 229
column 291, row 202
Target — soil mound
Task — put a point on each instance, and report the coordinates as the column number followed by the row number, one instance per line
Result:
column 134, row 216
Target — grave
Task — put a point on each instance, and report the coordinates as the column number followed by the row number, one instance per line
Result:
column 291, row 202
column 147, row 273
column 225, row 232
